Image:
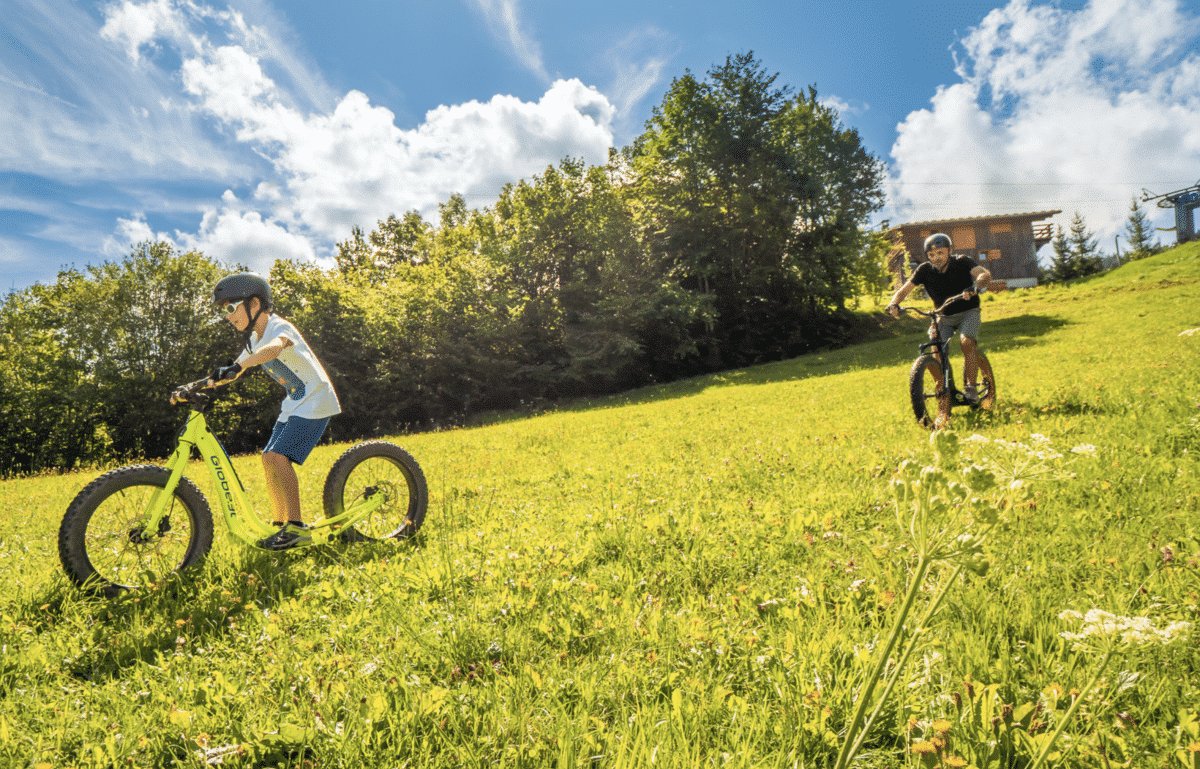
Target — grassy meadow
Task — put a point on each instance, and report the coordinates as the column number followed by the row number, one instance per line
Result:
column 698, row 574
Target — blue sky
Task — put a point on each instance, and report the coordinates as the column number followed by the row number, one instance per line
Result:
column 254, row 129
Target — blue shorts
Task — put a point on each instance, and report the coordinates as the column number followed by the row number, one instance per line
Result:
column 296, row 437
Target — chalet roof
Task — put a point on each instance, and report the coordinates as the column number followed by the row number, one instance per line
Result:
column 1032, row 216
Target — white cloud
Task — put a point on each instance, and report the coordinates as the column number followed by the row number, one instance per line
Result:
column 136, row 25
column 128, row 233
column 238, row 235
column 14, row 252
column 639, row 62
column 73, row 107
column 504, row 19
column 843, row 107
column 352, row 165
column 1057, row 109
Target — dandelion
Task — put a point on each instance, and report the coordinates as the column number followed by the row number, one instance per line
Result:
column 956, row 761
column 923, row 748
column 941, row 726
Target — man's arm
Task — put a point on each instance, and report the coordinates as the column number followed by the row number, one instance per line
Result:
column 901, row 294
column 980, row 277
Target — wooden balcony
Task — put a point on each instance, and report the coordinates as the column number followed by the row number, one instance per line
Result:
column 1042, row 234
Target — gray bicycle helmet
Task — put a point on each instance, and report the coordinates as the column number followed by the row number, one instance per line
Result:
column 938, row 240
column 243, row 285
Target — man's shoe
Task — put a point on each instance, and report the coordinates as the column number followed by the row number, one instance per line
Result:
column 293, row 534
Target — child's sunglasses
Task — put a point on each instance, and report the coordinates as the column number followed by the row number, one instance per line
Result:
column 232, row 307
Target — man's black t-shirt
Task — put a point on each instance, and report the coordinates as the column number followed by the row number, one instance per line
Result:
column 942, row 285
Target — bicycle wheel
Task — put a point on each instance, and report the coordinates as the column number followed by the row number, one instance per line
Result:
column 102, row 545
column 930, row 401
column 384, row 468
column 987, row 383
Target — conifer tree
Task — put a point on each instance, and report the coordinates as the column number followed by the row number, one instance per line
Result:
column 1060, row 267
column 1085, row 252
column 1138, row 231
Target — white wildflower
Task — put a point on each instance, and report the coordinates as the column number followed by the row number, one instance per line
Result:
column 975, row 438
column 1130, row 631
column 1086, row 449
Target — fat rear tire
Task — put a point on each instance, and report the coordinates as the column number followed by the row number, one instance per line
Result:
column 388, row 469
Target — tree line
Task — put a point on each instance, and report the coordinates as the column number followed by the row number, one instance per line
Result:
column 1077, row 253
column 731, row 232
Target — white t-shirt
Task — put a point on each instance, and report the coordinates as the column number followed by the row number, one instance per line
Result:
column 309, row 392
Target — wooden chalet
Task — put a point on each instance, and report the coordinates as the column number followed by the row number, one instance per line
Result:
column 1006, row 244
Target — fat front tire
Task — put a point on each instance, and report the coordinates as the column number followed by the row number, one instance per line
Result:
column 382, row 468
column 101, row 541
column 987, row 384
column 930, row 401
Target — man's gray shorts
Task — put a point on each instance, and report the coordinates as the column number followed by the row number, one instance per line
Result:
column 965, row 323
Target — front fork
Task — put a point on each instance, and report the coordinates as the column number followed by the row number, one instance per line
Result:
column 156, row 508
column 942, row 356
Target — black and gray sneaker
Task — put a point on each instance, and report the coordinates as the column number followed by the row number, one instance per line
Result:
column 292, row 535
column 970, row 393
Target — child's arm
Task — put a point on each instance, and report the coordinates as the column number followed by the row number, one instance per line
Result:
column 268, row 352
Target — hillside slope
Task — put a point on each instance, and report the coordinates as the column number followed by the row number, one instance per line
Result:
column 691, row 574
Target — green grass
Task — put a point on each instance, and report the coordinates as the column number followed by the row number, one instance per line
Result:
column 687, row 575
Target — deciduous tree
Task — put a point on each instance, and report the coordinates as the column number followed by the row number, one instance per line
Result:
column 752, row 200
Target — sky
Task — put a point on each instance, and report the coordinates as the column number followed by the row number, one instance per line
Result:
column 253, row 130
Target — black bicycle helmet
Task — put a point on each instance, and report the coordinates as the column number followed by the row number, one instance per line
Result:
column 938, row 240
column 243, row 285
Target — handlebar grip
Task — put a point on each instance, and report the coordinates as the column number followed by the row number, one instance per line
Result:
column 182, row 393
